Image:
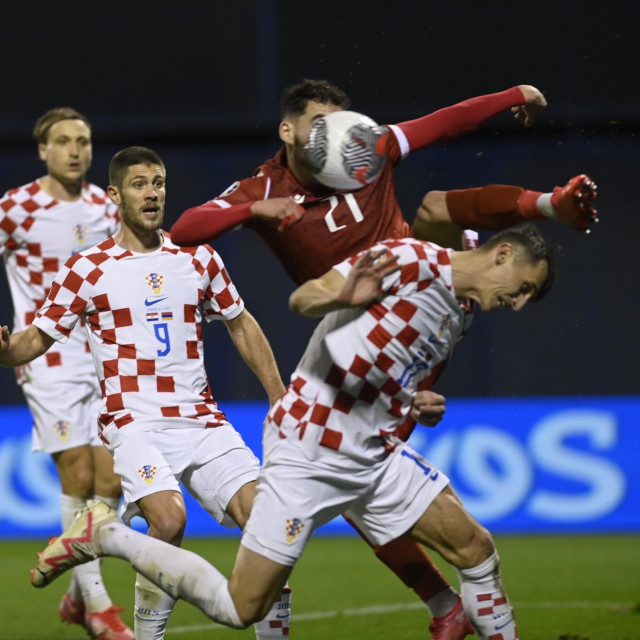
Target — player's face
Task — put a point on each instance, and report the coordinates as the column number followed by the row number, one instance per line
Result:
column 141, row 197
column 67, row 151
column 302, row 124
column 511, row 284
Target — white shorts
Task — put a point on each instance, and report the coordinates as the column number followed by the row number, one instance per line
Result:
column 213, row 464
column 65, row 414
column 296, row 496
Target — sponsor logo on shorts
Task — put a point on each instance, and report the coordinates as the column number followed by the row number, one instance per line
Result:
column 63, row 429
column 147, row 472
column 154, row 280
column 293, row 528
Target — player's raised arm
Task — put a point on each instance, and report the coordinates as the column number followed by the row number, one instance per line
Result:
column 525, row 101
column 256, row 352
column 204, row 223
column 24, row 346
column 333, row 291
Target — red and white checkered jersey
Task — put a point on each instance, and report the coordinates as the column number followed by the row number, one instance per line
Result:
column 342, row 223
column 142, row 314
column 356, row 381
column 37, row 235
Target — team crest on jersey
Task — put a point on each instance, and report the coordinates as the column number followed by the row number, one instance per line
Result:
column 62, row 428
column 80, row 232
column 154, row 280
column 293, row 528
column 230, row 189
column 147, row 472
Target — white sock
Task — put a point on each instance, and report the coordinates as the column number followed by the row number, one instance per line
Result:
column 276, row 623
column 86, row 583
column 178, row 572
column 442, row 603
column 152, row 610
column 114, row 503
column 485, row 601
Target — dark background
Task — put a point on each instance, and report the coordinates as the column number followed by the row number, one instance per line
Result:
column 199, row 82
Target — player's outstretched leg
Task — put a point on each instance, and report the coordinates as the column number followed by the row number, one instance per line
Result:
column 182, row 574
column 573, row 202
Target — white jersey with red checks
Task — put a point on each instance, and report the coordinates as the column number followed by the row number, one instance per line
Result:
column 37, row 235
column 142, row 314
column 355, row 383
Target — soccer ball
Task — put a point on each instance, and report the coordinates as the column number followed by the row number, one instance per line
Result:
column 342, row 151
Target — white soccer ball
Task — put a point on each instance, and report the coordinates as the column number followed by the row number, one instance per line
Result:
column 342, row 150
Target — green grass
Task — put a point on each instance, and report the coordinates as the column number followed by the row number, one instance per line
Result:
column 569, row 588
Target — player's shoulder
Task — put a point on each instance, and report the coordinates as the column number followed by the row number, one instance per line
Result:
column 26, row 198
column 201, row 252
column 93, row 194
column 87, row 260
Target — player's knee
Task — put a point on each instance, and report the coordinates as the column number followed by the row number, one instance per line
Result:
column 168, row 527
column 479, row 547
column 250, row 610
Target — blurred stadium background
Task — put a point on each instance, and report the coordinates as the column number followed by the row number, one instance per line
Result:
column 541, row 432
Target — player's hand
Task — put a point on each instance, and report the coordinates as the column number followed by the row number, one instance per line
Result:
column 284, row 209
column 364, row 281
column 534, row 103
column 573, row 203
column 428, row 408
column 4, row 339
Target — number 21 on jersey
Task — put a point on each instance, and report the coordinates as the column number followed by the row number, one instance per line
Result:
column 353, row 207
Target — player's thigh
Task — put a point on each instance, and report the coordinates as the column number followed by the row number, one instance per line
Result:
column 223, row 474
column 75, row 470
column 106, row 482
column 165, row 514
column 404, row 486
column 142, row 467
column 294, row 497
column 256, row 583
column 448, row 528
column 64, row 414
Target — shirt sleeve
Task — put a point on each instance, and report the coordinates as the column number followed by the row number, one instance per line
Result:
column 452, row 121
column 221, row 298
column 67, row 299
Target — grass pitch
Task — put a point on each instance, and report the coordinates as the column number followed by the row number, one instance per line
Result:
column 562, row 587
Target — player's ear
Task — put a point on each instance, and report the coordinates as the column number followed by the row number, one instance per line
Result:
column 42, row 152
column 503, row 252
column 286, row 132
column 114, row 194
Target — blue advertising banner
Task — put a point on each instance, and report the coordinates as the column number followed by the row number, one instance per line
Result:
column 519, row 465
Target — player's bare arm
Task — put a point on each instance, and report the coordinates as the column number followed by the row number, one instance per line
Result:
column 256, row 352
column 333, row 291
column 22, row 347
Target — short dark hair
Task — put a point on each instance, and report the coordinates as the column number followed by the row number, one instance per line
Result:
column 47, row 120
column 127, row 158
column 295, row 98
column 535, row 249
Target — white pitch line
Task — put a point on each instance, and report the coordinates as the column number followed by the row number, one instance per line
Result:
column 409, row 606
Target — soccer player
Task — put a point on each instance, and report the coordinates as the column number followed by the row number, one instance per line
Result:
column 391, row 314
column 310, row 227
column 142, row 299
column 42, row 224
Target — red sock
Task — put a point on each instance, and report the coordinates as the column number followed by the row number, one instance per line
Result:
column 408, row 560
column 493, row 207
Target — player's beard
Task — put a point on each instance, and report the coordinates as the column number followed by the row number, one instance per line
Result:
column 135, row 219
